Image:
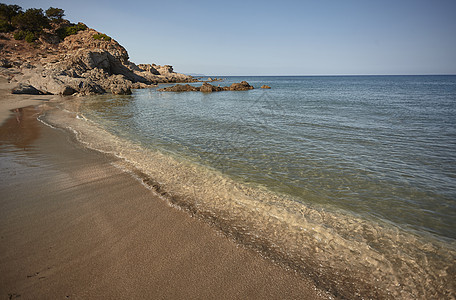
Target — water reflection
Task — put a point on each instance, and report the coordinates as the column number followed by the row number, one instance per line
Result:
column 21, row 129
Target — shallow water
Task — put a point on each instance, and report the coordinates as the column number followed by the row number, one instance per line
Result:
column 351, row 180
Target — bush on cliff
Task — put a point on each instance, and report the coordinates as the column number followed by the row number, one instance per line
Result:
column 28, row 36
column 19, row 35
column 101, row 36
column 63, row 32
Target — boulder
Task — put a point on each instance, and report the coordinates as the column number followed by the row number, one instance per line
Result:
column 87, row 87
column 26, row 89
column 265, row 86
column 120, row 90
column 209, row 88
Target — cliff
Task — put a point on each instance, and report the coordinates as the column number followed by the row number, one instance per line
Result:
column 84, row 63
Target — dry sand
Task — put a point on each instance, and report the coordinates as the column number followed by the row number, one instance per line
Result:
column 74, row 226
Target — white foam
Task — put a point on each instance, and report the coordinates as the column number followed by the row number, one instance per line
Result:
column 345, row 252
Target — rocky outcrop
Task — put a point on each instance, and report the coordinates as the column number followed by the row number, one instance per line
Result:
column 265, row 86
column 208, row 88
column 180, row 88
column 80, row 64
column 242, row 86
column 210, row 79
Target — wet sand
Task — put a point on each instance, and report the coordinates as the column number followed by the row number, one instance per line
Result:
column 74, row 226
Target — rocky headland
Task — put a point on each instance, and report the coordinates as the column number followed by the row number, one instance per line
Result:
column 82, row 63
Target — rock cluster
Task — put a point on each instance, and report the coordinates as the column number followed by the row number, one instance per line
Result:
column 210, row 79
column 80, row 65
column 208, row 88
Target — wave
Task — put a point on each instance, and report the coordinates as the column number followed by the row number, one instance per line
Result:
column 347, row 255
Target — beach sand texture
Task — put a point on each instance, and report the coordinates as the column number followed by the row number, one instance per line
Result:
column 74, row 226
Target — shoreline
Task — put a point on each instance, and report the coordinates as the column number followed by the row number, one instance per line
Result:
column 73, row 225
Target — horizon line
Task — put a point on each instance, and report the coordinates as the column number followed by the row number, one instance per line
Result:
column 318, row 75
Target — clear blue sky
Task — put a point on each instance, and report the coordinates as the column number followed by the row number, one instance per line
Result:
column 317, row 37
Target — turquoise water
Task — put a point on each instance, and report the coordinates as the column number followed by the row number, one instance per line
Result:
column 349, row 180
column 379, row 146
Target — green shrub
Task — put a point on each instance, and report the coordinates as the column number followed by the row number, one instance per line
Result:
column 20, row 35
column 101, row 36
column 30, row 37
column 63, row 32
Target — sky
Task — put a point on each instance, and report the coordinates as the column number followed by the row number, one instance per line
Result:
column 315, row 37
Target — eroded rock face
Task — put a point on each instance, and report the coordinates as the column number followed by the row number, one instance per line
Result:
column 81, row 64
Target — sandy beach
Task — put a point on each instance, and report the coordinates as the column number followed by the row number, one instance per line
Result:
column 72, row 225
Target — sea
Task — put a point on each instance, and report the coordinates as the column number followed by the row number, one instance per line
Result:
column 348, row 180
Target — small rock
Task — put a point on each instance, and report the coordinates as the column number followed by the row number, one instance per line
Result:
column 121, row 90
column 265, row 86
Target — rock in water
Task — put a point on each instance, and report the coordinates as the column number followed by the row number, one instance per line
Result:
column 242, row 86
column 208, row 88
column 179, row 88
column 265, row 86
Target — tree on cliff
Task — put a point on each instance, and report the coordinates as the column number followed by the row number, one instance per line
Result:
column 33, row 20
column 55, row 14
column 7, row 12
